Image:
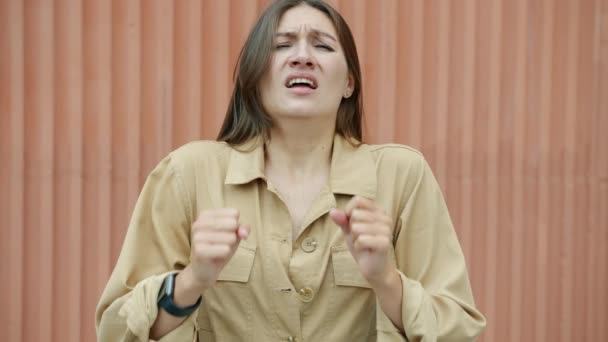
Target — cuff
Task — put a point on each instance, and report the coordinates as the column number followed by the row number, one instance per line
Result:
column 141, row 309
column 413, row 296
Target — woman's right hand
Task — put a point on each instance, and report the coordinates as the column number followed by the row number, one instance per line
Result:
column 216, row 234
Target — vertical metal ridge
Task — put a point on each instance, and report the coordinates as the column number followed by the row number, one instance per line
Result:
column 127, row 117
column 370, row 70
column 601, row 107
column 387, row 80
column 454, row 132
column 492, row 190
column 187, row 70
column 97, row 147
column 442, row 91
column 216, row 68
column 518, row 312
column 38, row 227
column 415, row 67
column 543, row 205
column 569, row 209
column 479, row 261
column 468, row 108
column 13, row 140
column 588, row 213
column 67, row 193
column 157, row 82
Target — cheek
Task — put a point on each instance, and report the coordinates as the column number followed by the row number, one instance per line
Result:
column 340, row 76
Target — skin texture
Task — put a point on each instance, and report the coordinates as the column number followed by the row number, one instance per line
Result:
column 306, row 42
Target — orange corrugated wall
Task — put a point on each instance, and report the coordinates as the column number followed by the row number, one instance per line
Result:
column 508, row 99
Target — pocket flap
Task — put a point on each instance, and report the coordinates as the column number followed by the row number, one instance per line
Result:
column 346, row 270
column 239, row 266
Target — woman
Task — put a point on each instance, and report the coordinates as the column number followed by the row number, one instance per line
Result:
column 288, row 228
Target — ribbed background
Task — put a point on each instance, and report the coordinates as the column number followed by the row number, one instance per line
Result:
column 508, row 99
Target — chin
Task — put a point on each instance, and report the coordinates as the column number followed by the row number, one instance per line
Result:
column 301, row 112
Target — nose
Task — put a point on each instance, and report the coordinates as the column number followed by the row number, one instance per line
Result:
column 301, row 58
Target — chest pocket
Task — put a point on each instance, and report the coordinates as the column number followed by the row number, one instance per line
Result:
column 239, row 266
column 227, row 307
column 346, row 270
column 352, row 297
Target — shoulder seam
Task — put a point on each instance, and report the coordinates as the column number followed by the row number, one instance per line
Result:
column 181, row 187
column 396, row 146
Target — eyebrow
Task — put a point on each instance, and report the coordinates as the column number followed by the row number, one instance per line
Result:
column 314, row 32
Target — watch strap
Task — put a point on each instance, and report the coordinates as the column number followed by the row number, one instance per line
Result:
column 166, row 299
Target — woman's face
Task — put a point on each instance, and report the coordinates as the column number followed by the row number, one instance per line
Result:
column 307, row 75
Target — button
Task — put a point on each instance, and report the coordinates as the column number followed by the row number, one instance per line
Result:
column 309, row 245
column 292, row 339
column 306, row 294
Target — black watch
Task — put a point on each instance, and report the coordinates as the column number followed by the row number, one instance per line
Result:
column 165, row 299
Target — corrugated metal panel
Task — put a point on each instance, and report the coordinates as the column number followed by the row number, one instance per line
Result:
column 507, row 99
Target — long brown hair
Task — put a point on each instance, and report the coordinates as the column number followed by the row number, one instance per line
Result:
column 246, row 117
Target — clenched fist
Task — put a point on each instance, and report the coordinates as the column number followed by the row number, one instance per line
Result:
column 368, row 235
column 215, row 236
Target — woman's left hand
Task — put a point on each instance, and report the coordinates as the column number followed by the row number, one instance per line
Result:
column 368, row 235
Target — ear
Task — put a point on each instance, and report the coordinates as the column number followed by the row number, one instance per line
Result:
column 350, row 86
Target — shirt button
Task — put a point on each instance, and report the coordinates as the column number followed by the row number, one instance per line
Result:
column 306, row 294
column 309, row 245
column 292, row 339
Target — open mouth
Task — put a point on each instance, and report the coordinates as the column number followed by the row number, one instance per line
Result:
column 301, row 82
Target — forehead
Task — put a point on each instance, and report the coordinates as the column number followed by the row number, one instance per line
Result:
column 304, row 18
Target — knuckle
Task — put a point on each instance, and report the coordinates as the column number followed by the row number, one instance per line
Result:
column 358, row 200
column 385, row 242
column 225, row 250
column 197, row 225
column 357, row 228
column 231, row 239
column 233, row 212
column 360, row 213
column 199, row 254
column 387, row 220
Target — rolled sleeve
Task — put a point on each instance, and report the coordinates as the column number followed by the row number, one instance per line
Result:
column 437, row 302
column 157, row 243
column 130, row 317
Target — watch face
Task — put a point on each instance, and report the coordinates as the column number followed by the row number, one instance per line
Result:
column 161, row 293
column 164, row 287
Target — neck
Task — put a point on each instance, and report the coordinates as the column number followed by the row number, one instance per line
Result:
column 299, row 149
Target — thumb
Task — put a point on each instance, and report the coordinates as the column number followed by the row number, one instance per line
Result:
column 340, row 218
column 243, row 231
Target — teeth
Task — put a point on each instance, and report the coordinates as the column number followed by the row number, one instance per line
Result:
column 300, row 80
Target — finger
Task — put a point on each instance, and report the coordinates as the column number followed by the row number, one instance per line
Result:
column 220, row 212
column 213, row 238
column 366, row 242
column 363, row 215
column 214, row 252
column 340, row 218
column 229, row 224
column 372, row 228
column 243, row 231
column 359, row 202
column 366, row 228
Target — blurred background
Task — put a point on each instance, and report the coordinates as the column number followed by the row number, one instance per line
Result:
column 508, row 100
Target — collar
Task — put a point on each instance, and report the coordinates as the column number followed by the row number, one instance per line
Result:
column 352, row 171
column 246, row 162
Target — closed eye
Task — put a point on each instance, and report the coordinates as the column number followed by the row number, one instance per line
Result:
column 282, row 46
column 324, row 47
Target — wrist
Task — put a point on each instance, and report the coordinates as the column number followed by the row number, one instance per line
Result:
column 187, row 289
column 387, row 284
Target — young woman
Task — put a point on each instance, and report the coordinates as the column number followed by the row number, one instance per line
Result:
column 288, row 228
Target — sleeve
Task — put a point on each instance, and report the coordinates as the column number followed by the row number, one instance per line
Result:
column 157, row 243
column 437, row 302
